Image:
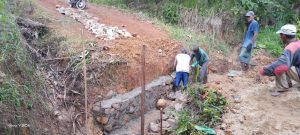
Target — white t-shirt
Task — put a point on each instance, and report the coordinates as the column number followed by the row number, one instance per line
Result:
column 183, row 62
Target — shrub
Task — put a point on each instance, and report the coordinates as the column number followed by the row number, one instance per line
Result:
column 267, row 38
column 205, row 109
column 170, row 13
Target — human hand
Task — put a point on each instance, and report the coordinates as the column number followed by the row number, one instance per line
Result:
column 258, row 78
column 262, row 72
column 194, row 65
column 249, row 47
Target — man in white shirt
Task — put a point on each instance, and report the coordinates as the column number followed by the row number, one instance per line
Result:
column 182, row 64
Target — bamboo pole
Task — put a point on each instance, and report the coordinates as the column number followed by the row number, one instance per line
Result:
column 85, row 85
column 143, row 91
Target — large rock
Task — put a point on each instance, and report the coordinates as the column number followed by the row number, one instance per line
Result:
column 122, row 108
column 102, row 120
column 153, row 127
column 178, row 106
column 173, row 123
column 165, row 125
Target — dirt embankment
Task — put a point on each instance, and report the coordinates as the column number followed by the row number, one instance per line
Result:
column 159, row 54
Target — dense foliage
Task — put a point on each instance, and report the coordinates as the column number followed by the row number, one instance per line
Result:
column 14, row 60
column 269, row 11
column 19, row 84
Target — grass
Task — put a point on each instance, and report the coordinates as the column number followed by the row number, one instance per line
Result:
column 189, row 38
column 192, row 39
column 205, row 108
column 19, row 91
column 268, row 39
column 117, row 3
column 15, row 63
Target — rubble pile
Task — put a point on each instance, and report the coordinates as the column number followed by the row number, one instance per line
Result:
column 91, row 23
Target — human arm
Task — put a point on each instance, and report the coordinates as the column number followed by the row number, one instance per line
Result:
column 175, row 63
column 254, row 28
column 254, row 38
column 192, row 57
column 278, row 67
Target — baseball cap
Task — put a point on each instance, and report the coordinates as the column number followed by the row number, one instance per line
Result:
column 288, row 29
column 250, row 13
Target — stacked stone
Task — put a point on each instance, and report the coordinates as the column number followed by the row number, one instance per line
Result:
column 91, row 23
column 116, row 112
column 169, row 120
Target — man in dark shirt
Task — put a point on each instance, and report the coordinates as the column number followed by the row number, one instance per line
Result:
column 287, row 66
column 201, row 60
column 249, row 40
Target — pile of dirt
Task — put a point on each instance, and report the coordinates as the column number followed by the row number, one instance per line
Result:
column 159, row 58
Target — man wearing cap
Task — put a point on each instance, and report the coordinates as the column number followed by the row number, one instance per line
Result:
column 201, row 60
column 249, row 40
column 182, row 65
column 287, row 66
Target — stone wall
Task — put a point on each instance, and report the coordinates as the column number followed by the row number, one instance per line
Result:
column 119, row 110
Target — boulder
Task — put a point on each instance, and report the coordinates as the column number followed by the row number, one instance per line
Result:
column 153, row 127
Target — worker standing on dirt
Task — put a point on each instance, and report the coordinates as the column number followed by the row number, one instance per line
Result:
column 182, row 65
column 201, row 60
column 249, row 41
column 287, row 66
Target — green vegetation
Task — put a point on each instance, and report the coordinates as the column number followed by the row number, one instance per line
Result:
column 192, row 39
column 267, row 10
column 20, row 85
column 14, row 62
column 117, row 3
column 170, row 13
column 269, row 13
column 269, row 40
column 298, row 29
column 205, row 108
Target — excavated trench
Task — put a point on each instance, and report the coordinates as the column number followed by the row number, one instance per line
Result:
column 64, row 79
column 118, row 111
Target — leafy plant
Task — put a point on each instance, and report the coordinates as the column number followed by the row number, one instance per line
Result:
column 19, row 82
column 205, row 108
column 9, row 92
column 171, row 13
column 185, row 121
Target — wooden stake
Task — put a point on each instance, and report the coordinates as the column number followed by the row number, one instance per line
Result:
column 85, row 85
column 161, row 112
column 143, row 91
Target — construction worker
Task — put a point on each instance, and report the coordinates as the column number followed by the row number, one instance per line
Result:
column 249, row 40
column 182, row 65
column 287, row 66
column 201, row 60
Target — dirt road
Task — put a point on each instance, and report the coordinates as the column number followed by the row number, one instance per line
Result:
column 114, row 17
